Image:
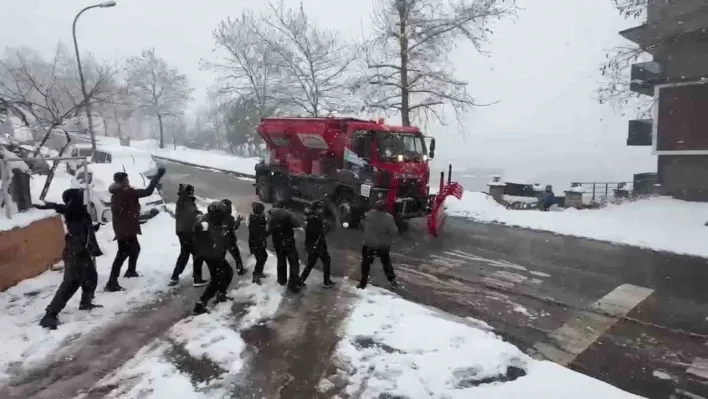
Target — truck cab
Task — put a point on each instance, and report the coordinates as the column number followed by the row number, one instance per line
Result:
column 349, row 162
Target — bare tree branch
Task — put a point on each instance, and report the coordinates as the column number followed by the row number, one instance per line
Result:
column 158, row 89
column 315, row 61
column 49, row 89
column 247, row 67
column 406, row 69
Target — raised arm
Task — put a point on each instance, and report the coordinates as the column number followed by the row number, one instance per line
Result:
column 58, row 208
column 147, row 191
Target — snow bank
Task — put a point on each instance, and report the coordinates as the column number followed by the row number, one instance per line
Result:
column 151, row 375
column 215, row 337
column 662, row 224
column 395, row 348
column 208, row 159
column 60, row 183
column 25, row 343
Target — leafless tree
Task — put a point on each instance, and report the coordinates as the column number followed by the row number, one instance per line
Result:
column 316, row 62
column 632, row 9
column 246, row 66
column 406, row 68
column 158, row 89
column 615, row 70
column 615, row 85
column 48, row 89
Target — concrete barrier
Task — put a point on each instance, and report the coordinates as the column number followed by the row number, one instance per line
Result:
column 29, row 251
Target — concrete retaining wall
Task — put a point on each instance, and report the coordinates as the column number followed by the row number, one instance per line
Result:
column 29, row 251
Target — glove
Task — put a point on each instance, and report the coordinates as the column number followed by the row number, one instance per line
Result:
column 161, row 171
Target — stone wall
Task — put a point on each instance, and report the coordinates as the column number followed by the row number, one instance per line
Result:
column 29, row 251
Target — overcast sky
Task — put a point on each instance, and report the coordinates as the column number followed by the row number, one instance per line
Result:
column 542, row 68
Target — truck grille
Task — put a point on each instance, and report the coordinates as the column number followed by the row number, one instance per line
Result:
column 408, row 189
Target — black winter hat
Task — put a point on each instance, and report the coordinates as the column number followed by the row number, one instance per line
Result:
column 216, row 207
column 257, row 207
column 74, row 196
column 185, row 188
column 119, row 177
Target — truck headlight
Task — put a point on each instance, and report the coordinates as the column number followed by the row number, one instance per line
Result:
column 399, row 158
column 425, row 158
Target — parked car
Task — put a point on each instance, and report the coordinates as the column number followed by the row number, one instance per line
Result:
column 100, row 177
column 127, row 157
column 77, row 150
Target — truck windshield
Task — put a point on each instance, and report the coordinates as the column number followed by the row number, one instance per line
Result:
column 408, row 146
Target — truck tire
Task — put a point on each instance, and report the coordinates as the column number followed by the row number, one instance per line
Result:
column 280, row 192
column 264, row 189
column 402, row 225
column 342, row 211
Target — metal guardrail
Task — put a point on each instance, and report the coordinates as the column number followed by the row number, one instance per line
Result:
column 601, row 191
column 6, row 177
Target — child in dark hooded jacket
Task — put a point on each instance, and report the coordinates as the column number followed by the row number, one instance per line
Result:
column 257, row 235
column 233, row 224
column 211, row 245
column 186, row 213
column 80, row 249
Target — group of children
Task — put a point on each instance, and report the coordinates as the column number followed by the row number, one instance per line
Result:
column 209, row 237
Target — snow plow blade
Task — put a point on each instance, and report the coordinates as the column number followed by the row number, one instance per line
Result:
column 436, row 218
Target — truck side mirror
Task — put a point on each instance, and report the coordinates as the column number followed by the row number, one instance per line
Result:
column 431, row 153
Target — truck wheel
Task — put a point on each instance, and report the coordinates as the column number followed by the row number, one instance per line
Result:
column 342, row 212
column 263, row 189
column 280, row 193
column 402, row 225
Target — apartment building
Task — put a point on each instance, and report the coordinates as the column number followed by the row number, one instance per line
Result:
column 676, row 35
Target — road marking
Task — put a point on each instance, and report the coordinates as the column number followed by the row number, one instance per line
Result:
column 539, row 274
column 576, row 336
column 699, row 368
column 491, row 262
column 686, row 394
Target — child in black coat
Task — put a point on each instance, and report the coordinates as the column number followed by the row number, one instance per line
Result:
column 211, row 243
column 233, row 224
column 257, row 235
column 80, row 249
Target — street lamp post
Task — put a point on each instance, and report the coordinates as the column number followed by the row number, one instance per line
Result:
column 87, row 103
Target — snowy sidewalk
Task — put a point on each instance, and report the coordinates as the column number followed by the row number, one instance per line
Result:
column 26, row 345
column 337, row 343
column 264, row 344
column 661, row 223
column 397, row 349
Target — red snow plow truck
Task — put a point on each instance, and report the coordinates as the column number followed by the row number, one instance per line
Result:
column 351, row 164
